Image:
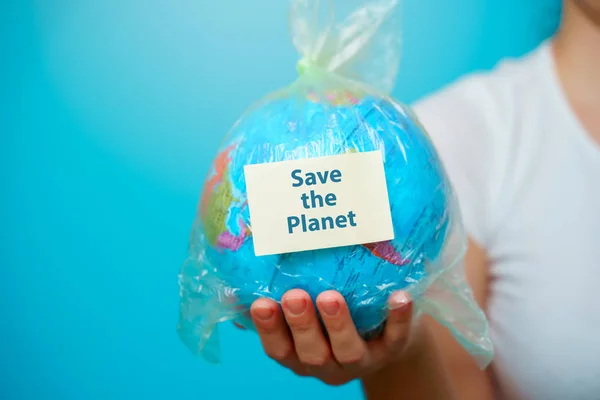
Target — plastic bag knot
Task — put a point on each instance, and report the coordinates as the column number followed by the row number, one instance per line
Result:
column 304, row 65
column 358, row 40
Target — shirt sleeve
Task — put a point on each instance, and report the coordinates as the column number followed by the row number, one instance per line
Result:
column 463, row 121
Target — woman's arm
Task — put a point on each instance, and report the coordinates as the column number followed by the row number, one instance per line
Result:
column 436, row 366
column 420, row 374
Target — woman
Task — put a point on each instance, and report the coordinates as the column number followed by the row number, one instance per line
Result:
column 522, row 147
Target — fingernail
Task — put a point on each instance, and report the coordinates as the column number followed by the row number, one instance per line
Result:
column 295, row 306
column 399, row 301
column 330, row 307
column 263, row 313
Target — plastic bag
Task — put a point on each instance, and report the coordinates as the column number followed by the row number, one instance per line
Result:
column 339, row 104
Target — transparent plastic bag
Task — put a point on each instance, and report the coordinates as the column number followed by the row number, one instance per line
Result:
column 340, row 103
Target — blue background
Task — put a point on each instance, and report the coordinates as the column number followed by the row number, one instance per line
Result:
column 111, row 111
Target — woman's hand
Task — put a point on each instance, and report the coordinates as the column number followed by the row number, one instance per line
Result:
column 292, row 336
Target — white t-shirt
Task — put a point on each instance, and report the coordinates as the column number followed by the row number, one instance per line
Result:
column 527, row 175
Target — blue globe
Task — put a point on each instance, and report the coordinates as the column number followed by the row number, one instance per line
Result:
column 223, row 276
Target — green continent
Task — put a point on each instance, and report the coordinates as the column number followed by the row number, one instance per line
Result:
column 216, row 211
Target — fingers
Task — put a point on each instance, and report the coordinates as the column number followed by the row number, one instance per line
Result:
column 347, row 346
column 273, row 332
column 398, row 324
column 312, row 348
column 396, row 333
column 292, row 334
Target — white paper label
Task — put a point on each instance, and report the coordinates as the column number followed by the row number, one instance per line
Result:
column 318, row 203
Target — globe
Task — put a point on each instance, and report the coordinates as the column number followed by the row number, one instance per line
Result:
column 313, row 121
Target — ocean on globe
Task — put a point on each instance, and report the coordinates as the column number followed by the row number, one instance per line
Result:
column 322, row 122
